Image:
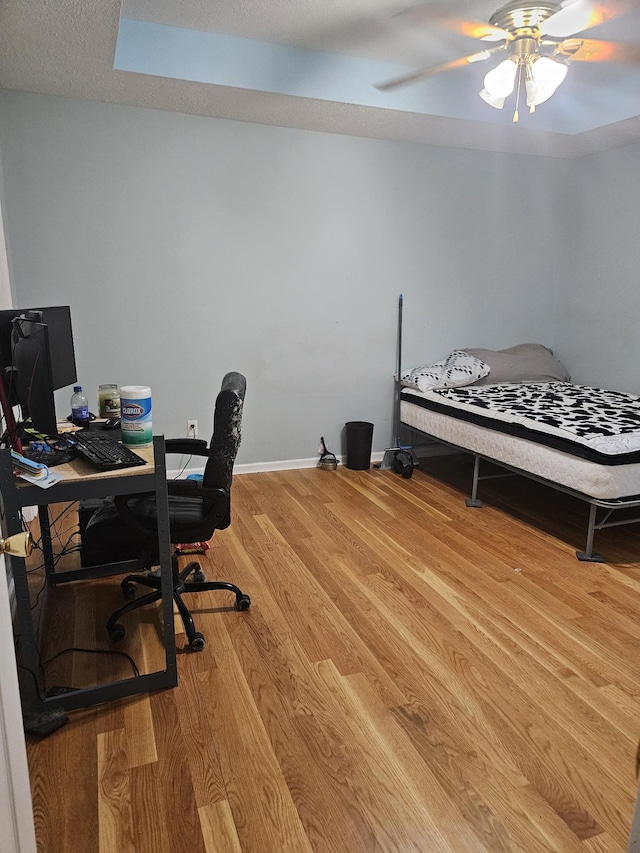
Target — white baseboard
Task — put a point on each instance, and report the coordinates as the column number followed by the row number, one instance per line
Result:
column 279, row 465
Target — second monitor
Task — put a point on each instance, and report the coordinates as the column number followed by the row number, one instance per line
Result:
column 38, row 358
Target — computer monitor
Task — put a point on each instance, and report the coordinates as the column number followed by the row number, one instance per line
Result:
column 37, row 355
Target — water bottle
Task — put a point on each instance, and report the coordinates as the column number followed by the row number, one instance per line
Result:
column 79, row 407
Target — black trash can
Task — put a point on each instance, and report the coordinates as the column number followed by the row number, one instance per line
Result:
column 359, row 440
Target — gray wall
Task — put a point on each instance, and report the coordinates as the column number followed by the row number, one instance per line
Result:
column 189, row 246
column 598, row 307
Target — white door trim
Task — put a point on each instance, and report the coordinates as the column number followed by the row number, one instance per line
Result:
column 17, row 833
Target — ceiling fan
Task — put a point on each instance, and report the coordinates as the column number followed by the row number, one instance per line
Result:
column 540, row 38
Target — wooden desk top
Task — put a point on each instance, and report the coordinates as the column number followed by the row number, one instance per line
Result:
column 80, row 469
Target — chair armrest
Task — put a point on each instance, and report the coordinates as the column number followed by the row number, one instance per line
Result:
column 195, row 489
column 191, row 446
column 215, row 500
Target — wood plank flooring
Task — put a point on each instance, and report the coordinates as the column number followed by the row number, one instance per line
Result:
column 413, row 675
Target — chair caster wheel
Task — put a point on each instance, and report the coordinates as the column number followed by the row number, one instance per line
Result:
column 129, row 590
column 243, row 602
column 116, row 633
column 199, row 577
column 198, row 642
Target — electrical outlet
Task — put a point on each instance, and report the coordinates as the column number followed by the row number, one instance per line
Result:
column 192, row 429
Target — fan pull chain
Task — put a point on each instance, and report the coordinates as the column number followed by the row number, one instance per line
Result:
column 518, row 87
column 529, row 77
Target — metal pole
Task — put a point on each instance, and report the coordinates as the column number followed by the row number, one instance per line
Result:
column 398, row 384
column 402, row 456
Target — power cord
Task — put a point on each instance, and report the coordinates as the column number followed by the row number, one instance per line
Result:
column 134, row 666
column 47, row 721
column 184, row 467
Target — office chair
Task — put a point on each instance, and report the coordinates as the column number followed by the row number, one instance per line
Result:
column 196, row 510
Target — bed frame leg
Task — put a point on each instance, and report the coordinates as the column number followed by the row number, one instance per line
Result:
column 587, row 556
column 473, row 500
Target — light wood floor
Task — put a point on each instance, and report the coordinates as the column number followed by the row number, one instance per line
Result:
column 413, row 675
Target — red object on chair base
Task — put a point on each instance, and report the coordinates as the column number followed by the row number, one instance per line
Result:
column 192, row 548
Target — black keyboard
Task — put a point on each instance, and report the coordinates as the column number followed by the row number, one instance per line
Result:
column 104, row 452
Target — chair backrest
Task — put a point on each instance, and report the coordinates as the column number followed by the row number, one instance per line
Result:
column 227, row 422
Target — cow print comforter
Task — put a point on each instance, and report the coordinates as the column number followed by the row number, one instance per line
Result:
column 606, row 424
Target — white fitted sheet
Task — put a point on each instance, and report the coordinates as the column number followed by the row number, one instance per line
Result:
column 605, row 482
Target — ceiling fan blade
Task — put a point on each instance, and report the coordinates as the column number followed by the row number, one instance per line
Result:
column 423, row 73
column 593, row 50
column 438, row 15
column 582, row 15
column 476, row 30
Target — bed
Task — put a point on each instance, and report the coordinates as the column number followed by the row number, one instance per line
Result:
column 532, row 420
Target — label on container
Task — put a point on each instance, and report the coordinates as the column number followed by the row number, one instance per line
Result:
column 80, row 415
column 109, row 403
column 111, row 407
column 135, row 421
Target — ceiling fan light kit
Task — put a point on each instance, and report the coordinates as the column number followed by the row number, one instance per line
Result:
column 539, row 37
column 523, row 25
column 542, row 76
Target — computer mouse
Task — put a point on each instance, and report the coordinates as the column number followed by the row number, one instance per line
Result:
column 111, row 423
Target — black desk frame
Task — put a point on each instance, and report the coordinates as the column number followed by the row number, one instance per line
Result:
column 14, row 497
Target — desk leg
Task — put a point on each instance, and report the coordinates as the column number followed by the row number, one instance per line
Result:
column 30, row 680
column 45, row 541
column 166, row 573
column 29, row 657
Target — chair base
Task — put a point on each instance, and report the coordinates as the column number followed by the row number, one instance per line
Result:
column 181, row 585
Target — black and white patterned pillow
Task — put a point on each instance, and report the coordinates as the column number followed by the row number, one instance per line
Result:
column 457, row 369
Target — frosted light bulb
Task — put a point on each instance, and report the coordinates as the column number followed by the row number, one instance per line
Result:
column 498, row 103
column 547, row 73
column 499, row 82
column 532, row 93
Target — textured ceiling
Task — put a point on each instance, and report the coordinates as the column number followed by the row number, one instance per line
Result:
column 308, row 64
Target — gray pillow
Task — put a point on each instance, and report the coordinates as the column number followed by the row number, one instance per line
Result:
column 522, row 363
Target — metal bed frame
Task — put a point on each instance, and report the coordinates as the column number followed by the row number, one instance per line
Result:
column 405, row 457
column 609, row 506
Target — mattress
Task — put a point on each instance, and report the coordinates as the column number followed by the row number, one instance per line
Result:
column 603, row 482
column 602, row 426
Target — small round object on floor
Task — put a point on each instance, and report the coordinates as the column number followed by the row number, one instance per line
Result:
column 407, row 471
column 199, row 577
column 403, row 464
column 198, row 642
column 116, row 633
column 243, row 602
